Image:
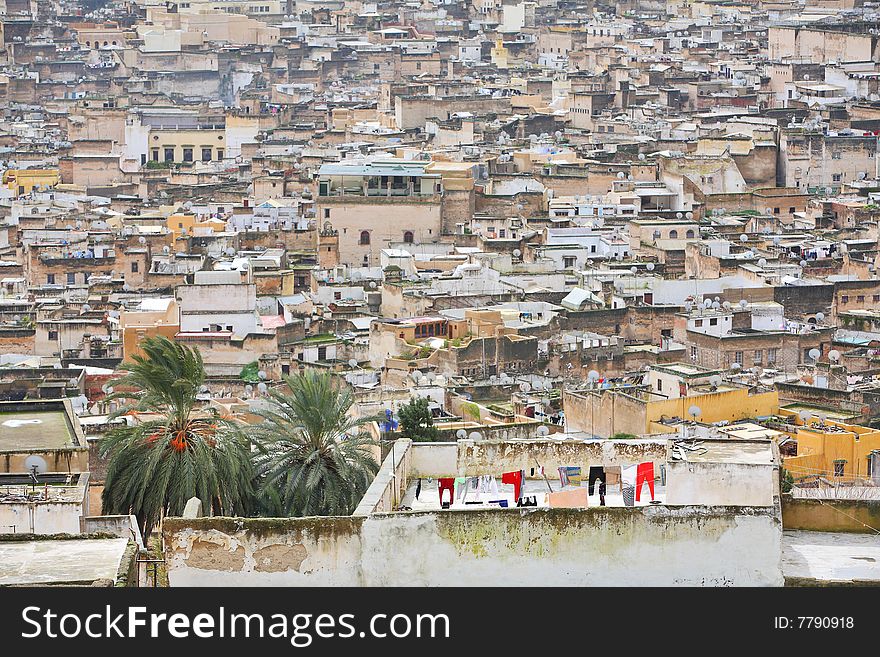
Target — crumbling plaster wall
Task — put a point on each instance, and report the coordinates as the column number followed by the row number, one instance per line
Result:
column 614, row 546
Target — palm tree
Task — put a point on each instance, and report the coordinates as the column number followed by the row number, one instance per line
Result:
column 315, row 458
column 178, row 451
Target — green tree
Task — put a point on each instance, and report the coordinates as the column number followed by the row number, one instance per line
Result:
column 417, row 422
column 179, row 451
column 314, row 458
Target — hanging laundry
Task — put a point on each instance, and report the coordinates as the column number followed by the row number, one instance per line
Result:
column 570, row 475
column 444, row 484
column 628, row 493
column 645, row 475
column 568, row 499
column 515, row 478
column 488, row 485
column 460, row 488
column 597, row 472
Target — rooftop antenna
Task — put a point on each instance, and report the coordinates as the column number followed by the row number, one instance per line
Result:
column 36, row 465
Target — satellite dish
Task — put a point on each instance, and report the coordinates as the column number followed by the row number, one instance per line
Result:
column 36, row 464
column 715, row 381
column 803, row 263
column 593, row 376
column 517, row 253
column 834, row 355
column 353, row 363
column 743, row 238
column 743, row 304
column 543, row 431
column 440, row 380
column 524, row 386
column 142, row 240
column 735, row 366
column 805, row 416
column 650, row 266
column 820, row 317
column 762, row 262
column 695, row 411
column 166, row 250
column 262, row 388
column 461, row 434
column 373, row 285
column 814, row 354
column 262, row 375
column 475, row 435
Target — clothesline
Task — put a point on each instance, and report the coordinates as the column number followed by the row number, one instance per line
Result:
column 632, row 481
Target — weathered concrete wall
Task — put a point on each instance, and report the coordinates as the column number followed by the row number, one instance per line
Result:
column 434, row 459
column 611, row 546
column 831, row 515
column 721, row 483
column 490, row 457
column 389, row 484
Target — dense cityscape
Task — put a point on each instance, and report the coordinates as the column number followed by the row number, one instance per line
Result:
column 608, row 313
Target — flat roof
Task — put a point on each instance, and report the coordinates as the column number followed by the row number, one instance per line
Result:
column 75, row 561
column 30, row 430
column 745, row 452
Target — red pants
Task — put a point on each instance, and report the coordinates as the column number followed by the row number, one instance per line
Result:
column 645, row 474
column 447, row 483
column 514, row 478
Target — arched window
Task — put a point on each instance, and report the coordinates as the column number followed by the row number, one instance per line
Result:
column 365, row 237
column 673, row 234
column 408, row 237
column 88, row 44
column 689, row 234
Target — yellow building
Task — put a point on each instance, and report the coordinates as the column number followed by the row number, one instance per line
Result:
column 831, row 449
column 499, row 54
column 23, row 181
column 203, row 144
column 179, row 222
column 153, row 318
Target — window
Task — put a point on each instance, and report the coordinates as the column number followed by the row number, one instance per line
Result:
column 693, row 353
column 844, row 299
column 713, row 321
column 876, row 297
column 860, row 299
column 155, row 155
column 326, row 213
column 759, row 355
column 50, row 279
column 568, row 262
column 836, row 177
column 71, row 278
column 791, row 211
column 134, row 267
column 775, row 210
column 187, row 154
column 219, row 153
column 738, row 357
column 659, row 385
column 673, row 234
column 771, row 355
column 53, row 335
column 408, row 237
column 838, row 467
column 689, row 234
column 206, row 154
column 365, row 237
column 169, row 155
column 835, row 155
